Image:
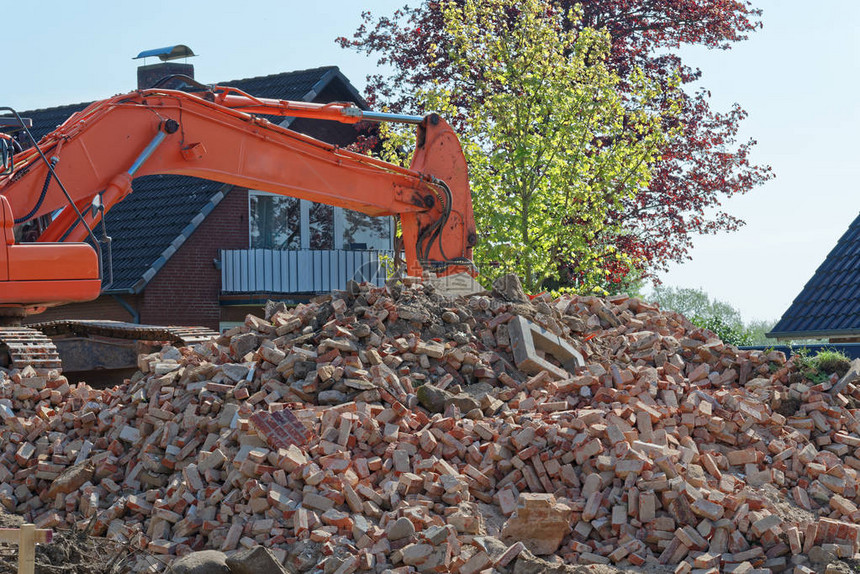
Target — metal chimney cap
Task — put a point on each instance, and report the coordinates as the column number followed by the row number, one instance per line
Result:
column 167, row 53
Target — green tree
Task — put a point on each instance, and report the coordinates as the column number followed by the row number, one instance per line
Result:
column 694, row 302
column 757, row 329
column 700, row 165
column 720, row 317
column 551, row 144
column 730, row 334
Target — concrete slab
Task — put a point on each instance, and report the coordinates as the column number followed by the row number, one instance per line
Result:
column 527, row 337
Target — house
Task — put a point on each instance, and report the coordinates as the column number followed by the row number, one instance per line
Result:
column 187, row 251
column 828, row 307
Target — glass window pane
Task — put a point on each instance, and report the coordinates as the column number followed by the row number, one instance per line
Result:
column 275, row 222
column 321, row 220
column 362, row 231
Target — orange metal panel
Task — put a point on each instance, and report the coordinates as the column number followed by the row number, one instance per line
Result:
column 52, row 261
column 97, row 146
column 48, row 293
column 6, row 237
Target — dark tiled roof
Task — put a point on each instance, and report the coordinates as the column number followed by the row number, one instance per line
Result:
column 47, row 120
column 288, row 86
column 829, row 304
column 161, row 208
column 137, row 240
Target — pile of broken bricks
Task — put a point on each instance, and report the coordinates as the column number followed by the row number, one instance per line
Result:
column 397, row 429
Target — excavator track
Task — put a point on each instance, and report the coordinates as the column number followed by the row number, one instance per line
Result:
column 80, row 345
column 120, row 330
column 20, row 347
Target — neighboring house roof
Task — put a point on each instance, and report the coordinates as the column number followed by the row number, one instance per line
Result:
column 153, row 222
column 163, row 210
column 47, row 120
column 303, row 85
column 829, row 304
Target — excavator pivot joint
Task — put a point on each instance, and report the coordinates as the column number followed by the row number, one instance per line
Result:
column 170, row 126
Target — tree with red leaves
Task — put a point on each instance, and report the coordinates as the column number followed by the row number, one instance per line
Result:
column 700, row 167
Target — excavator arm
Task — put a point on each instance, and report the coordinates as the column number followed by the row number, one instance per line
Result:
column 93, row 157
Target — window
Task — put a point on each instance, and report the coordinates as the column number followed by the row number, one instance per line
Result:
column 362, row 231
column 275, row 221
column 279, row 222
column 321, row 224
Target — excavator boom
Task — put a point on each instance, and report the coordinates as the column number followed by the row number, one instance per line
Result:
column 93, row 157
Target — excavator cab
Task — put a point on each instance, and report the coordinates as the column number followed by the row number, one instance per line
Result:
column 7, row 144
column 6, row 154
column 32, row 273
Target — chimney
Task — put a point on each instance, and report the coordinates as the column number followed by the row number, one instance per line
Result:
column 149, row 75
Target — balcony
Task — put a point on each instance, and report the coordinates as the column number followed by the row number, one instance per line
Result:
column 299, row 270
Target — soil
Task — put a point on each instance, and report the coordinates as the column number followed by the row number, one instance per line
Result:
column 849, row 565
column 789, row 407
column 9, row 520
column 526, row 563
column 494, row 520
column 70, row 552
column 783, row 505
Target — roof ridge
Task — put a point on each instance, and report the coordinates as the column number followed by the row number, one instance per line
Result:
column 56, row 108
column 294, row 72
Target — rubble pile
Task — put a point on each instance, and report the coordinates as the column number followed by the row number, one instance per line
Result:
column 397, row 429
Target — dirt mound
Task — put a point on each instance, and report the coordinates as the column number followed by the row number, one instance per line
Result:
column 70, row 551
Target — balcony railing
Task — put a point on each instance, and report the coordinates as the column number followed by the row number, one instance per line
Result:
column 299, row 271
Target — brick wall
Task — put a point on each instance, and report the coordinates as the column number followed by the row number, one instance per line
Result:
column 185, row 291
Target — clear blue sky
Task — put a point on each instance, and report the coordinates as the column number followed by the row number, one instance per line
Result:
column 797, row 78
column 65, row 52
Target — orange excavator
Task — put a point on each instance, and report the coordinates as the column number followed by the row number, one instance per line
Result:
column 73, row 176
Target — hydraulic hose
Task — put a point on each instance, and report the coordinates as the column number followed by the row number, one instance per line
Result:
column 54, row 161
